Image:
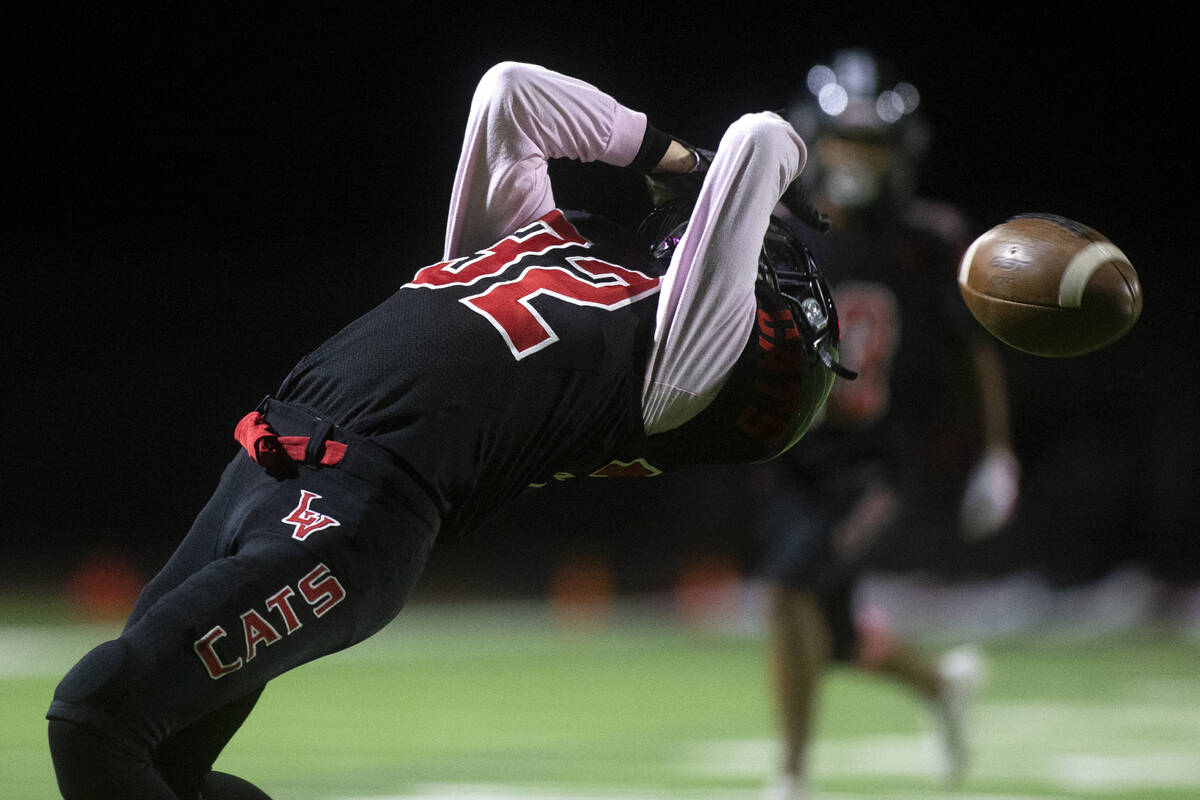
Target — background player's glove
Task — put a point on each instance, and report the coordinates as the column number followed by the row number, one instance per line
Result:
column 991, row 494
column 667, row 188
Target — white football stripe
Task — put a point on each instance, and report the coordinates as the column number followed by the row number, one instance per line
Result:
column 964, row 268
column 1081, row 268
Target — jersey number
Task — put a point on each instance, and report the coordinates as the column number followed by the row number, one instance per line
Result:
column 869, row 316
column 507, row 304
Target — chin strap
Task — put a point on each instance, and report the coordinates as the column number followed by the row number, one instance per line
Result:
column 838, row 369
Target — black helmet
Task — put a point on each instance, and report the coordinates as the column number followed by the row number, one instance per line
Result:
column 859, row 94
column 858, row 97
column 784, row 263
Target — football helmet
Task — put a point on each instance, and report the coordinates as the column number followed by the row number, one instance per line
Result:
column 784, row 263
column 865, row 133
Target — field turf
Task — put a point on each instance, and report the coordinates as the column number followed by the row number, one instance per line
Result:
column 504, row 702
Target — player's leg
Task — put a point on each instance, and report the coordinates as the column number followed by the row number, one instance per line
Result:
column 800, row 649
column 960, row 672
column 948, row 684
column 90, row 765
column 127, row 699
column 879, row 650
column 798, row 640
column 159, row 703
column 98, row 772
column 95, row 765
column 89, row 760
column 222, row 786
column 185, row 758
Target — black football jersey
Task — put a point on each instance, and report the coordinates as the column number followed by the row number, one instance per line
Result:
column 486, row 373
column 524, row 363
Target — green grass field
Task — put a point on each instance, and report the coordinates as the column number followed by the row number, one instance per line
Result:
column 501, row 702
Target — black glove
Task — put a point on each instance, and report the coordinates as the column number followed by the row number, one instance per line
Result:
column 795, row 200
column 668, row 188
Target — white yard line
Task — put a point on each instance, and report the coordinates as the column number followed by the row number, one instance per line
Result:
column 497, row 792
column 1078, row 748
column 47, row 651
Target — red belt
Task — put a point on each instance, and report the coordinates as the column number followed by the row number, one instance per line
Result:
column 276, row 452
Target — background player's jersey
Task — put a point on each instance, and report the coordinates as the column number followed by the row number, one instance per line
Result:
column 912, row 417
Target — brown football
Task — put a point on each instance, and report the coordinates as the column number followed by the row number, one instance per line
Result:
column 1050, row 286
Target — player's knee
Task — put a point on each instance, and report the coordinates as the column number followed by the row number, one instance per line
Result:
column 873, row 648
column 93, row 688
column 72, row 746
column 90, row 761
column 84, row 762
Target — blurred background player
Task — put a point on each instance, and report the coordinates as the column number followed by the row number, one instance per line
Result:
column 917, row 449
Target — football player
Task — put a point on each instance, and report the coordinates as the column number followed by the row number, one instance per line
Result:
column 544, row 345
column 917, row 448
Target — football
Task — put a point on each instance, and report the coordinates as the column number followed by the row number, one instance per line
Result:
column 1050, row 286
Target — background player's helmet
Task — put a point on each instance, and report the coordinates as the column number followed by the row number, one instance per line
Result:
column 784, row 263
column 864, row 131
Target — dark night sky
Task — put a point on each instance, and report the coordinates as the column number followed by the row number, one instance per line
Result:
column 196, row 196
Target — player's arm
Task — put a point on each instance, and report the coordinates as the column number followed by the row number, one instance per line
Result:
column 706, row 304
column 677, row 160
column 521, row 116
column 993, row 390
column 992, row 487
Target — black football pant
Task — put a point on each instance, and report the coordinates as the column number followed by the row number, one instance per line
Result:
column 275, row 572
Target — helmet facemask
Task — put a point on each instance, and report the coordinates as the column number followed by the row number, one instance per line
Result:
column 784, row 263
column 787, row 265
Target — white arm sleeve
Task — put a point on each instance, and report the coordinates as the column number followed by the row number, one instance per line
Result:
column 707, row 306
column 521, row 116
